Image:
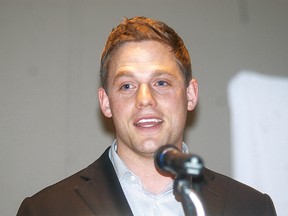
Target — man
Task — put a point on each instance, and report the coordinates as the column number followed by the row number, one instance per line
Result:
column 147, row 89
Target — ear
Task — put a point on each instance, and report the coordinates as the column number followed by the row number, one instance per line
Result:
column 192, row 94
column 104, row 102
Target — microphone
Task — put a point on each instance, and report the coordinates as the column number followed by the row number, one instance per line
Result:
column 168, row 158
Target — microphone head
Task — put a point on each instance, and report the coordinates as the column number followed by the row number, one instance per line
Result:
column 168, row 158
column 159, row 157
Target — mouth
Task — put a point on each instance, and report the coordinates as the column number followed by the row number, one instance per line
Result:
column 148, row 122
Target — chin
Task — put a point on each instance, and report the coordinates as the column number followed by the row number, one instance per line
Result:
column 150, row 148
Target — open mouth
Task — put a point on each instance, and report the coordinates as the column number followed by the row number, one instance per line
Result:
column 147, row 123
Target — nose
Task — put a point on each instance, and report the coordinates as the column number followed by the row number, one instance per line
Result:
column 145, row 96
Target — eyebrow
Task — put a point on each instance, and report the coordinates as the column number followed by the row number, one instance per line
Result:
column 130, row 74
column 162, row 72
column 122, row 74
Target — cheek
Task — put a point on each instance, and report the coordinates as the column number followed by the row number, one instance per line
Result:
column 179, row 102
column 179, row 110
column 176, row 108
column 120, row 109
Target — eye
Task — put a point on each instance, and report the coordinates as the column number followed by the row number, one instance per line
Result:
column 161, row 83
column 126, row 86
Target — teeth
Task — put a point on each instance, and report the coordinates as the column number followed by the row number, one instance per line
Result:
column 148, row 122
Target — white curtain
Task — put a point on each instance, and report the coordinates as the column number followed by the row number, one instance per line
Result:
column 259, row 127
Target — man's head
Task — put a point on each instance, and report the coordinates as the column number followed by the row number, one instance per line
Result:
column 139, row 29
column 147, row 86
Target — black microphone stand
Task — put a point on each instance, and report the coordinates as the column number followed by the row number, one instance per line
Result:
column 190, row 201
column 186, row 168
column 183, row 185
column 184, row 182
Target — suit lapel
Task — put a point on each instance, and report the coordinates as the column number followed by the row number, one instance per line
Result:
column 102, row 190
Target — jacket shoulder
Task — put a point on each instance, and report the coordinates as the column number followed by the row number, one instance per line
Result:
column 240, row 199
column 61, row 198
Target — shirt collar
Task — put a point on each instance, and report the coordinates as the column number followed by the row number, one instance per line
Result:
column 120, row 168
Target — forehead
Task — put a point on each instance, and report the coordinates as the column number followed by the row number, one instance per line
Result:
column 148, row 54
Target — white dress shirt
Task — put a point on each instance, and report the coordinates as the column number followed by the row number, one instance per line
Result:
column 141, row 201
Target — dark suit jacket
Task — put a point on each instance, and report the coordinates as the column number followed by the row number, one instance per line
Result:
column 97, row 191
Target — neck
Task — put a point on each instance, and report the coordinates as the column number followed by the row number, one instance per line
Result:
column 143, row 166
column 152, row 180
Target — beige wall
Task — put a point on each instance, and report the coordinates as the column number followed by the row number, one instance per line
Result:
column 50, row 123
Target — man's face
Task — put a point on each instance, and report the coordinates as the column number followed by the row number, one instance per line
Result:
column 147, row 98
